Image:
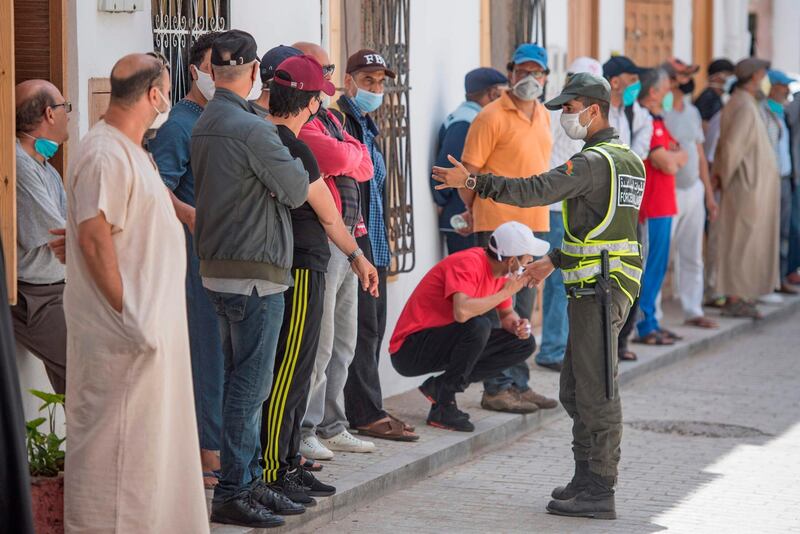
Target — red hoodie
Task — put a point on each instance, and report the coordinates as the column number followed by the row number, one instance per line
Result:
column 337, row 158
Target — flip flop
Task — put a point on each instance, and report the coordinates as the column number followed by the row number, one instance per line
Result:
column 311, row 465
column 654, row 338
column 701, row 322
column 628, row 356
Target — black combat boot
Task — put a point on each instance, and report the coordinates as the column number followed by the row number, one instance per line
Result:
column 578, row 482
column 595, row 501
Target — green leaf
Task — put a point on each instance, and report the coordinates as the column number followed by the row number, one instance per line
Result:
column 33, row 424
column 50, row 398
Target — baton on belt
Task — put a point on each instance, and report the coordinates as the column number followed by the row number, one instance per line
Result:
column 602, row 290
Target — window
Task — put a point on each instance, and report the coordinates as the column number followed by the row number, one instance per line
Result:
column 176, row 26
column 386, row 30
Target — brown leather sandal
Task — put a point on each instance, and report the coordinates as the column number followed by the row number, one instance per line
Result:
column 387, row 429
column 409, row 428
column 701, row 322
column 654, row 338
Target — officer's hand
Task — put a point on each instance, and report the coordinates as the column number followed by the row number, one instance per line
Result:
column 537, row 271
column 451, row 177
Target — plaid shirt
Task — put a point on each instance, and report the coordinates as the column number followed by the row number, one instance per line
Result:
column 376, row 227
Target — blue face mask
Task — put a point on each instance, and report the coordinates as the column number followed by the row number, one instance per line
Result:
column 368, row 101
column 666, row 104
column 775, row 107
column 631, row 93
column 44, row 147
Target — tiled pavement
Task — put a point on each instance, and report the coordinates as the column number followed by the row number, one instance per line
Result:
column 363, row 478
column 673, row 482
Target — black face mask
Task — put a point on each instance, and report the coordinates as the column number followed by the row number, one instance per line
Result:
column 315, row 114
column 688, row 87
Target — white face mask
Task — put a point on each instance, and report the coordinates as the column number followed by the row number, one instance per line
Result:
column 518, row 272
column 162, row 116
column 528, row 88
column 573, row 127
column 204, row 83
column 255, row 92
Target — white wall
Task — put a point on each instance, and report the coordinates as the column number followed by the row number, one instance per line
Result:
column 96, row 41
column 731, row 38
column 438, row 62
column 786, row 35
column 682, row 30
column 612, row 29
column 276, row 22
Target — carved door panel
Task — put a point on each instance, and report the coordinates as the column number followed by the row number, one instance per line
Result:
column 648, row 31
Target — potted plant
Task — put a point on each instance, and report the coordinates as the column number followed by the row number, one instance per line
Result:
column 46, row 464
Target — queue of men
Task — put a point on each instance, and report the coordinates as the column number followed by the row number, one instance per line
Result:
column 227, row 257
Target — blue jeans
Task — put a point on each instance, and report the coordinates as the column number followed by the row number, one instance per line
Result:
column 249, row 328
column 659, row 230
column 555, row 323
column 208, row 370
column 793, row 258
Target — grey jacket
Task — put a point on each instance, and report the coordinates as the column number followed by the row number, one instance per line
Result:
column 245, row 184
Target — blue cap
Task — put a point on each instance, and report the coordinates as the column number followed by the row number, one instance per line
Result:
column 530, row 52
column 777, row 77
column 483, row 78
column 619, row 65
column 273, row 58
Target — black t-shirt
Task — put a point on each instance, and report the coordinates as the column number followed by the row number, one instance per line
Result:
column 310, row 241
column 708, row 103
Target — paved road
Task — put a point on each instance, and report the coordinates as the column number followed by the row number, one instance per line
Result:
column 675, row 476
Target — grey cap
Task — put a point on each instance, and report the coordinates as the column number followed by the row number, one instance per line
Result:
column 581, row 84
column 745, row 69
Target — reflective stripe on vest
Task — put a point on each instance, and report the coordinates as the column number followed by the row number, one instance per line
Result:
column 621, row 248
column 587, row 273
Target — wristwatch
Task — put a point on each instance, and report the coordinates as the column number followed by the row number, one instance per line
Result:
column 471, row 182
column 353, row 255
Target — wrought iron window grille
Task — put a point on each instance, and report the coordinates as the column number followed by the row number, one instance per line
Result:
column 176, row 26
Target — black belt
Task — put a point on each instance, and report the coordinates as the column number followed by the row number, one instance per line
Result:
column 21, row 283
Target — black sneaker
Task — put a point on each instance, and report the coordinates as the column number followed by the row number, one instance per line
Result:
column 277, row 502
column 449, row 417
column 290, row 487
column 313, row 486
column 245, row 511
column 428, row 388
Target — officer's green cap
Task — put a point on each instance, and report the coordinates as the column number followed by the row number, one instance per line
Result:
column 581, row 84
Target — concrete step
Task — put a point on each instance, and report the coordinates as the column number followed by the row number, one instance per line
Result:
column 361, row 478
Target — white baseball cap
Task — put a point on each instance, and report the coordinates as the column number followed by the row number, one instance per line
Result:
column 516, row 239
column 586, row 64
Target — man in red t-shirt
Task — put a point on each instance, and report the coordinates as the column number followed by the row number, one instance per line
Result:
column 443, row 326
column 659, row 204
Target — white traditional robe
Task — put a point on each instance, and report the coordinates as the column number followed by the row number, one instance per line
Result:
column 747, row 260
column 133, row 461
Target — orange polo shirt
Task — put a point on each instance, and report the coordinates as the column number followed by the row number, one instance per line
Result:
column 504, row 141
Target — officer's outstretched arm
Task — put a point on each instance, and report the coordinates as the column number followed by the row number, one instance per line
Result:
column 570, row 180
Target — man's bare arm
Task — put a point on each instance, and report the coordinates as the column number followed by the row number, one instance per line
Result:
column 97, row 247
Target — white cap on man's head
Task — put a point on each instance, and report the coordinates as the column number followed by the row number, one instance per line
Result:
column 516, row 239
column 585, row 64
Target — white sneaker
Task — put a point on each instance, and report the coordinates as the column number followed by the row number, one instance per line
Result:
column 346, row 442
column 310, row 447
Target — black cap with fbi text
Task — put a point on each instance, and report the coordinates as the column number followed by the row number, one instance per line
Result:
column 581, row 84
column 234, row 47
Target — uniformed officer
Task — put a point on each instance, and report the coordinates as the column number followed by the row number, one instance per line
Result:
column 601, row 188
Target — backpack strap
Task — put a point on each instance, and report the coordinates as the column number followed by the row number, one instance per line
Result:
column 629, row 116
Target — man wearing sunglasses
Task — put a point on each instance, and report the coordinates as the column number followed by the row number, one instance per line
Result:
column 42, row 116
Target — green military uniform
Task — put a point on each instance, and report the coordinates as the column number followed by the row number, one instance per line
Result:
column 602, row 188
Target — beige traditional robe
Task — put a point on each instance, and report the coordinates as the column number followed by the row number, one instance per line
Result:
column 748, row 225
column 133, row 462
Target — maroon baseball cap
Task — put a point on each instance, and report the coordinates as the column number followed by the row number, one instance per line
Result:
column 303, row 73
column 368, row 61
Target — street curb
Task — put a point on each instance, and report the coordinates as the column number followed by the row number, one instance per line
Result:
column 493, row 432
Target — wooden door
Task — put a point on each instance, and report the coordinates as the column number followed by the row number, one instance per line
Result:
column 8, row 197
column 39, row 49
column 648, row 31
column 582, row 30
column 702, row 38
